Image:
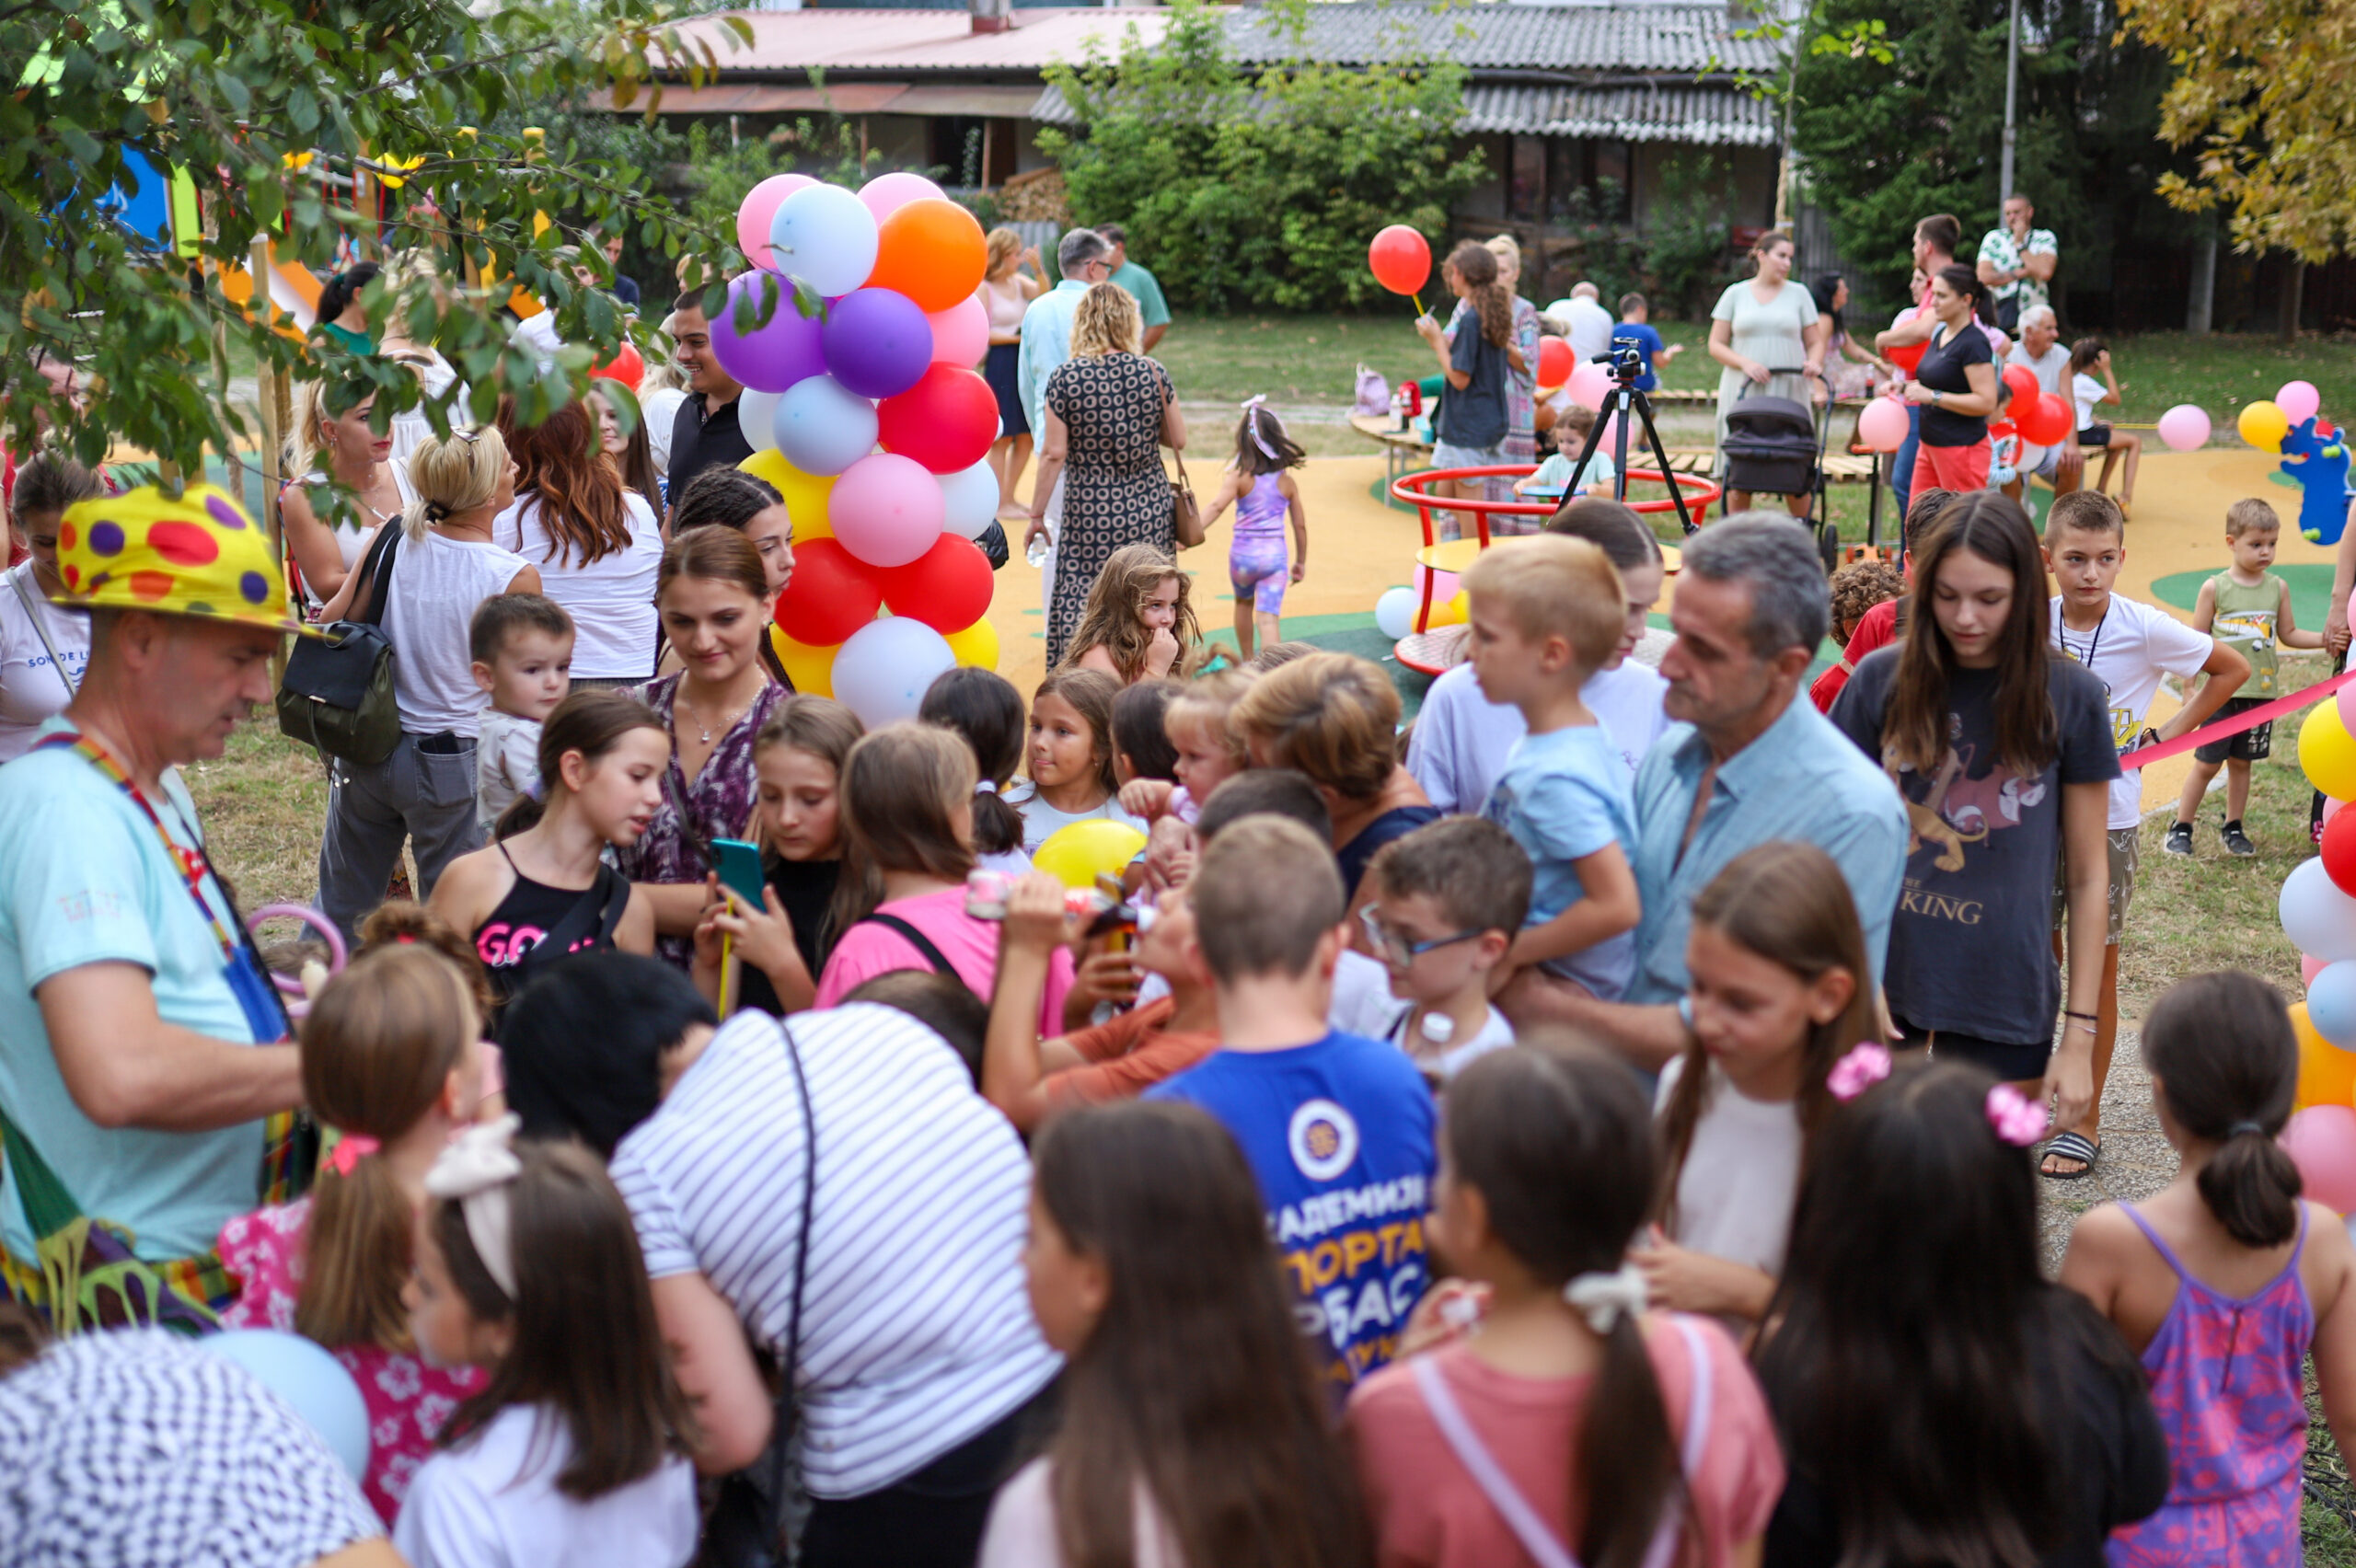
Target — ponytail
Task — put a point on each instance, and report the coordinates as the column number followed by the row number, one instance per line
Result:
column 2227, row 1059
column 983, row 708
column 1966, row 282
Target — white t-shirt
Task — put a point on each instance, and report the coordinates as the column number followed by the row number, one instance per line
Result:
column 2048, row 369
column 1461, row 738
column 492, row 1503
column 1496, row 1034
column 411, row 429
column 436, row 583
column 1040, row 819
column 1022, row 1532
column 1361, row 1004
column 538, row 333
column 917, row 1332
column 1586, row 323
column 2086, row 391
column 611, row 599
column 1742, row 1175
column 507, row 764
column 2133, row 649
column 658, row 408
column 31, row 687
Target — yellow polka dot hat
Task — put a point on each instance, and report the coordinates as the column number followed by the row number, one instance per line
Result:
column 198, row 554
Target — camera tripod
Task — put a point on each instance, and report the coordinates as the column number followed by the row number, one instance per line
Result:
column 1623, row 398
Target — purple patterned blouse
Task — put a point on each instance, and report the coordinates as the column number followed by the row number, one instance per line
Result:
column 676, row 845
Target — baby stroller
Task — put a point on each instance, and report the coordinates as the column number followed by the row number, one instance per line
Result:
column 1775, row 446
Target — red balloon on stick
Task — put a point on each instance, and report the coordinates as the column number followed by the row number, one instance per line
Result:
column 2045, row 423
column 945, row 421
column 831, row 594
column 1400, row 261
column 948, row 587
column 1555, row 361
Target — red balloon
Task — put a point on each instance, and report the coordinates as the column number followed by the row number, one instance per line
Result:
column 2339, row 849
column 1400, row 261
column 1555, row 361
column 627, row 366
column 2045, row 423
column 1999, row 429
column 945, row 421
column 831, row 594
column 2024, row 383
column 948, row 587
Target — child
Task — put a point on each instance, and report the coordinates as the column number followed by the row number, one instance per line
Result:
column 1939, row 1398
column 2130, row 648
column 1547, row 613
column 529, row 1267
column 1338, row 1128
column 545, row 885
column 389, row 1060
column 1205, row 754
column 1879, row 626
column 522, row 645
column 1856, row 588
column 1472, row 425
column 1448, row 899
column 1778, row 993
column 1071, row 757
column 1634, row 333
column 1141, row 748
column 982, row 706
column 1138, row 623
column 1259, row 486
column 779, row 948
column 2225, row 1281
column 2248, row 608
column 2087, row 356
column 1552, row 481
column 1570, row 1421
column 1192, row 1433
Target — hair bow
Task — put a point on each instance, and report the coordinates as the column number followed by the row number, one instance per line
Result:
column 475, row 1172
column 1252, row 406
column 1602, row 1298
column 1863, row 1067
column 2018, row 1119
column 350, row 1148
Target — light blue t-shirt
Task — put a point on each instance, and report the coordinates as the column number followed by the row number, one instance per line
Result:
column 1564, row 796
column 1047, row 343
column 84, row 879
column 1555, row 474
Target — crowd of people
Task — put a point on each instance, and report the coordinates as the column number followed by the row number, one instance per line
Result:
column 1500, row 1138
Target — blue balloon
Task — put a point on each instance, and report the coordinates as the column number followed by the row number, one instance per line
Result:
column 826, row 236
column 878, row 342
column 2319, row 919
column 2331, row 1004
column 311, row 1381
column 822, row 427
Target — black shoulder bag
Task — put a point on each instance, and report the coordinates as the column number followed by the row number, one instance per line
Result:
column 337, row 694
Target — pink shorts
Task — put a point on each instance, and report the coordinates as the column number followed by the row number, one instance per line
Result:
column 1959, row 468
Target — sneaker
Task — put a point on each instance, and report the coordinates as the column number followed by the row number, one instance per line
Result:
column 2236, row 841
column 2180, row 838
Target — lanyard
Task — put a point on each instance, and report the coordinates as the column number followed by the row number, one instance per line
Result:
column 193, row 866
column 2061, row 637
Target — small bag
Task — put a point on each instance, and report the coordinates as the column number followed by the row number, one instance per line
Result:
column 992, row 543
column 1186, row 515
column 1373, row 392
column 337, row 694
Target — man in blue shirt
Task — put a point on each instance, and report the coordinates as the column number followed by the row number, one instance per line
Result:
column 1633, row 333
column 1085, row 260
column 1749, row 762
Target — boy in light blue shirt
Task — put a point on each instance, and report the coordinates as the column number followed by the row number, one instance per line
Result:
column 1546, row 613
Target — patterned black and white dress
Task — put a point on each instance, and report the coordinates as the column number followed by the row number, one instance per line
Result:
column 1116, row 491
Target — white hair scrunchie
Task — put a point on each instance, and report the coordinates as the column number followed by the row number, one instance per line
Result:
column 986, row 787
column 475, row 1171
column 1602, row 1298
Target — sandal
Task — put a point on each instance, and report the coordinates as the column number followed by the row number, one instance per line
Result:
column 2070, row 1146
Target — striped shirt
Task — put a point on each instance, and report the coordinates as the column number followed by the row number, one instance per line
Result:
column 917, row 1332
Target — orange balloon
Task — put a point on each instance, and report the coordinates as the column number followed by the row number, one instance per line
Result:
column 2327, row 1075
column 931, row 251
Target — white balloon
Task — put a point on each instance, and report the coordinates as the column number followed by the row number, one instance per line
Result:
column 826, row 236
column 969, row 500
column 2319, row 919
column 756, row 414
column 882, row 671
column 1394, row 613
column 822, row 426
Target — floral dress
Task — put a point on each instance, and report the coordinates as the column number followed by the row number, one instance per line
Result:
column 1115, row 490
column 676, row 845
column 408, row 1403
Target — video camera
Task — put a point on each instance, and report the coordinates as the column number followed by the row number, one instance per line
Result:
column 1626, row 362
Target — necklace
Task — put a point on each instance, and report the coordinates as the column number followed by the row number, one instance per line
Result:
column 703, row 731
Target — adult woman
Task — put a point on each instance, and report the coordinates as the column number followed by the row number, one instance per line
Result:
column 42, row 647
column 596, row 544
column 730, row 498
column 2004, row 754
column 1849, row 369
column 633, row 455
column 1954, row 383
column 428, row 578
column 420, row 275
column 340, row 317
column 1766, row 324
column 660, row 393
column 1006, row 292
column 1471, row 424
column 1108, row 411
column 1333, row 717
column 715, row 605
column 333, row 446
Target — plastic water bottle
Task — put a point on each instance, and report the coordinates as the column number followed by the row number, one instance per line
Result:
column 1035, row 552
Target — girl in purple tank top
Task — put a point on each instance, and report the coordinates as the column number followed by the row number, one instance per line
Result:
column 1258, row 484
column 2223, row 1282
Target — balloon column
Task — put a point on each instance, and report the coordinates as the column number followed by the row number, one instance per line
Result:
column 2318, row 912
column 2291, row 423
column 887, row 363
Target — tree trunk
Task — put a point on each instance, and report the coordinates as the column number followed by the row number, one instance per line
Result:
column 2293, row 282
column 2201, row 308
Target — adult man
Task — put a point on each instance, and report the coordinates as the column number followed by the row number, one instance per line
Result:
column 704, row 433
column 138, row 1060
column 1085, row 260
column 2040, row 350
column 1142, row 285
column 2016, row 261
column 1584, row 321
column 625, row 287
column 1748, row 762
column 1902, row 344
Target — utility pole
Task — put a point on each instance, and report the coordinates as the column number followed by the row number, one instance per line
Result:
column 2012, row 92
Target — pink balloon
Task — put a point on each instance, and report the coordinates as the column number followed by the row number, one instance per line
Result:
column 2309, row 968
column 2330, row 806
column 1882, row 426
column 960, row 334
column 887, row 194
column 1444, row 584
column 886, row 509
column 2185, row 428
column 2299, row 401
column 1589, row 385
column 2321, row 1141
column 759, row 208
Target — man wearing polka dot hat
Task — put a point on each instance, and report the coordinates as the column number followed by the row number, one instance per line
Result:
column 146, row 1084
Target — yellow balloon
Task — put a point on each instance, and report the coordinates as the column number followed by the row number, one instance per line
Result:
column 1079, row 852
column 2263, row 424
column 2327, row 1074
column 976, row 645
column 805, row 494
column 2328, row 752
column 812, row 670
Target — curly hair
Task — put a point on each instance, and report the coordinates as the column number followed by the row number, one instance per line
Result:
column 1107, row 322
column 1113, row 618
column 1858, row 587
column 1476, row 267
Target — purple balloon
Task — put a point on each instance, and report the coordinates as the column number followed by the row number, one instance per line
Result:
column 878, row 342
column 774, row 354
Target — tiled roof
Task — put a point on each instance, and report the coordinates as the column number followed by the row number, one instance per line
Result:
column 1649, row 36
column 1701, row 116
column 791, row 44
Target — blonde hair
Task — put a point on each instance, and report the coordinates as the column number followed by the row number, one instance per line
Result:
column 455, row 473
column 1332, row 716
column 1206, row 705
column 1003, row 242
column 1265, row 894
column 2251, row 512
column 1553, row 585
column 1112, row 619
column 1506, row 249
column 304, row 445
column 1107, row 322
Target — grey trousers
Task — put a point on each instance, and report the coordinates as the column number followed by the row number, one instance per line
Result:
column 426, row 798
